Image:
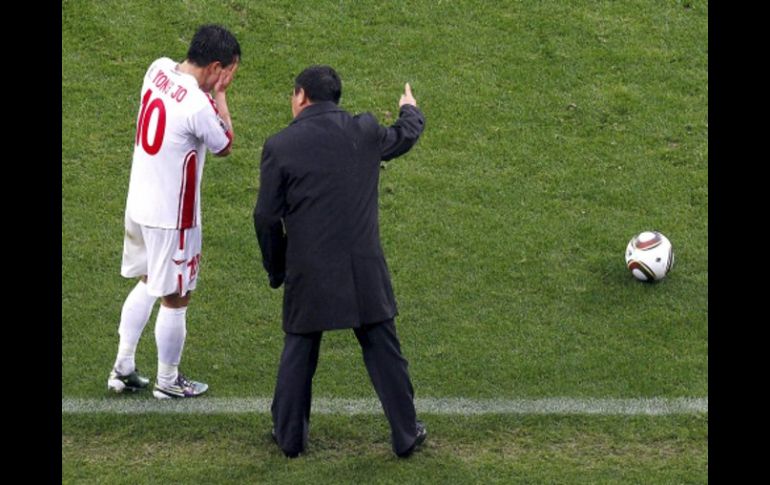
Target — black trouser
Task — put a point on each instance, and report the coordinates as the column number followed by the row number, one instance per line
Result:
column 387, row 369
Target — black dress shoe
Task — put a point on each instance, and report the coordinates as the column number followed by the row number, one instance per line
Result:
column 275, row 440
column 422, row 433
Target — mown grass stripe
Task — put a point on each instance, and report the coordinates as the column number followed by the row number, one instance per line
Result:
column 450, row 406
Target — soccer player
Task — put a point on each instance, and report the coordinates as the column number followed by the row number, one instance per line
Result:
column 178, row 120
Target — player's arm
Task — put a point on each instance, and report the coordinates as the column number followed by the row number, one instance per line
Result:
column 224, row 113
column 220, row 99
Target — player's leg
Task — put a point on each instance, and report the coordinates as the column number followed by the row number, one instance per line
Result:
column 173, row 271
column 293, row 391
column 170, row 335
column 135, row 313
column 388, row 370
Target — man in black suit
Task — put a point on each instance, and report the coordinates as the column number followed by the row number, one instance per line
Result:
column 317, row 225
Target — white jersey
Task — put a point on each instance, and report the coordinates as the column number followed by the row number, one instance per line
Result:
column 177, row 121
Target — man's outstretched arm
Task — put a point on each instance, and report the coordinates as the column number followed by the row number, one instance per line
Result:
column 400, row 137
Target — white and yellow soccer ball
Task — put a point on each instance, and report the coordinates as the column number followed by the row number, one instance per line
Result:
column 649, row 256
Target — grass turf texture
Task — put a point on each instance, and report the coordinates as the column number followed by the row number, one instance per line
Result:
column 356, row 450
column 555, row 132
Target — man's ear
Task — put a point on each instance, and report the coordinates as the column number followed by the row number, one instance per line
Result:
column 215, row 67
column 302, row 97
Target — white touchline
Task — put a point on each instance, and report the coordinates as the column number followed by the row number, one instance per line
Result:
column 656, row 406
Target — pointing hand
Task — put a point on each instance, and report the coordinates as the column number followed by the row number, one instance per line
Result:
column 407, row 97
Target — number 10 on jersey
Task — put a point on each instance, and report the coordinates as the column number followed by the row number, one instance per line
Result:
column 143, row 124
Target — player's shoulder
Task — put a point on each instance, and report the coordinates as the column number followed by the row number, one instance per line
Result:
column 198, row 102
column 164, row 70
column 160, row 63
column 202, row 99
column 165, row 61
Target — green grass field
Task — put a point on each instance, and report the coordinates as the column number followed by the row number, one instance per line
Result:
column 555, row 131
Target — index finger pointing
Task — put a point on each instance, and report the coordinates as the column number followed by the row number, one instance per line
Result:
column 408, row 89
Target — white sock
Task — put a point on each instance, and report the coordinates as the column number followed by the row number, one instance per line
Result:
column 167, row 373
column 136, row 311
column 170, row 333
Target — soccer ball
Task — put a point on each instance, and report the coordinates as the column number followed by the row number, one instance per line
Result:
column 649, row 256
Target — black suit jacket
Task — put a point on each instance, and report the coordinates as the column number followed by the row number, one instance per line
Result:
column 316, row 216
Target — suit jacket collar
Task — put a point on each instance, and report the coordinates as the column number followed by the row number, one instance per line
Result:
column 316, row 109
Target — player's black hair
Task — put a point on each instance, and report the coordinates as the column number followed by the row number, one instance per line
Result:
column 321, row 83
column 213, row 43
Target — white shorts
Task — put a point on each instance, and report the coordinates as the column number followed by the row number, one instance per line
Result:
column 169, row 257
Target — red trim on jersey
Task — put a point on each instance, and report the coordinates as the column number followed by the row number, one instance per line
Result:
column 213, row 103
column 181, row 239
column 186, row 210
column 179, row 282
column 221, row 122
column 229, row 141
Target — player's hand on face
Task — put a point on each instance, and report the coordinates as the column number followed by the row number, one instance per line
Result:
column 407, row 97
column 225, row 77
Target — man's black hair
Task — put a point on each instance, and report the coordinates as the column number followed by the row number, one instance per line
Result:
column 321, row 83
column 213, row 43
